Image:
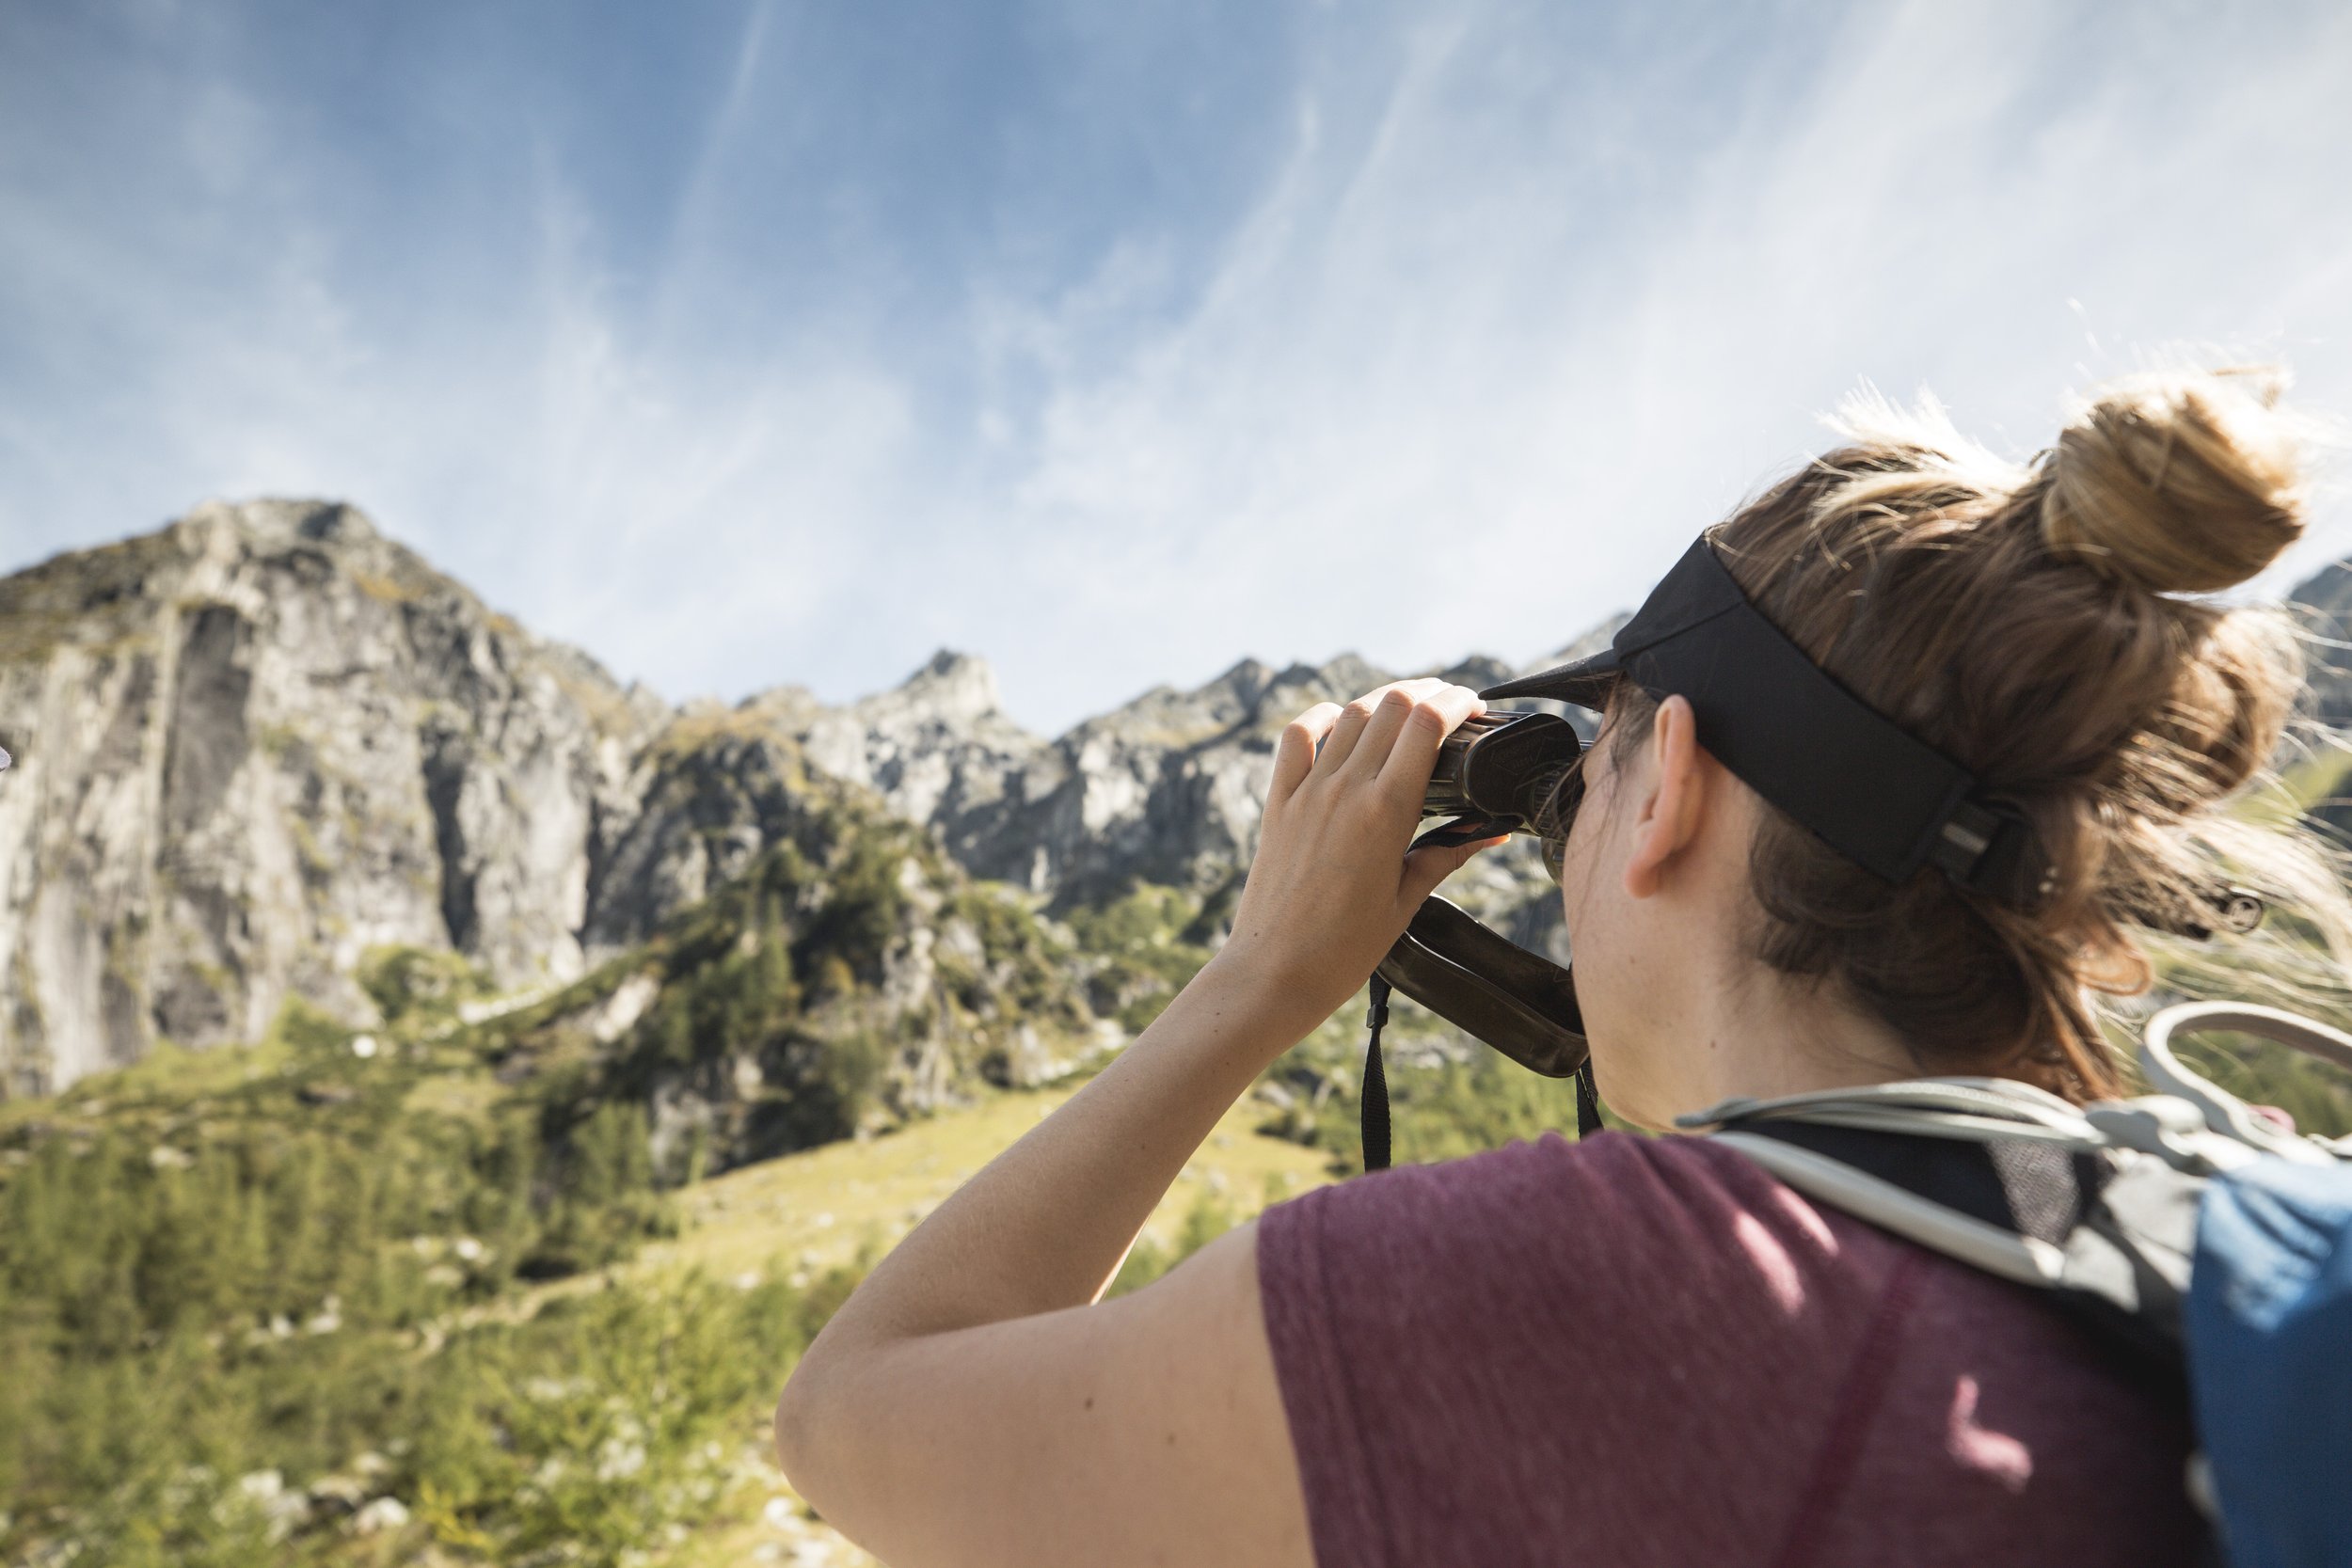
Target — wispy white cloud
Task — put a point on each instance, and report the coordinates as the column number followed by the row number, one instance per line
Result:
column 1428, row 404
column 1520, row 298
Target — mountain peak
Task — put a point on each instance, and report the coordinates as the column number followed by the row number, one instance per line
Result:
column 950, row 686
column 285, row 519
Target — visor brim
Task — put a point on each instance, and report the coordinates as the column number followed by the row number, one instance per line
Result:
column 1584, row 683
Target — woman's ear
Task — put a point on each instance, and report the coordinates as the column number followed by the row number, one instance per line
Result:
column 1669, row 815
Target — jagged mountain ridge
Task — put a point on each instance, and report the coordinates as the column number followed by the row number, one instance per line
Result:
column 261, row 741
column 1165, row 788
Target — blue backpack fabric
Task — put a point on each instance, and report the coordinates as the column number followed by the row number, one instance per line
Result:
column 2269, row 1331
column 2187, row 1226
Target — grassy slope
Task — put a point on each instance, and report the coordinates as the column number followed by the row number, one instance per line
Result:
column 816, row 1208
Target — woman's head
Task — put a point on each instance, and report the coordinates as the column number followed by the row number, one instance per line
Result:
column 2028, row 621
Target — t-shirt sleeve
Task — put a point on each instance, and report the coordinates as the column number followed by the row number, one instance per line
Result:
column 1488, row 1360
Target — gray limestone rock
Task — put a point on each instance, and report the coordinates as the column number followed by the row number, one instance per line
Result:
column 1167, row 788
column 259, row 742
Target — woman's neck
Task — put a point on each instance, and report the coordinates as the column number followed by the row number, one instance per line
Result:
column 1758, row 1034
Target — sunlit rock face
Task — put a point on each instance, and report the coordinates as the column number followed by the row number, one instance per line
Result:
column 259, row 741
column 1167, row 788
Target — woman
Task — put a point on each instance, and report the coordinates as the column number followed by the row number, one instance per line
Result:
column 1630, row 1349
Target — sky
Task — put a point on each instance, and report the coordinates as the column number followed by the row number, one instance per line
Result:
column 749, row 341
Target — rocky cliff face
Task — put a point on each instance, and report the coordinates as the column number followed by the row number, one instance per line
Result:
column 253, row 745
column 259, row 743
column 1165, row 790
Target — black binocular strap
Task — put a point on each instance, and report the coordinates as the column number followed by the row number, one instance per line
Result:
column 1373, row 1103
column 1587, row 1102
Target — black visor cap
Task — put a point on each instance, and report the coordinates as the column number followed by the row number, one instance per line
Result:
column 1874, row 792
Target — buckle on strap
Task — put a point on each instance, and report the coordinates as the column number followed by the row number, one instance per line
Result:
column 1988, row 850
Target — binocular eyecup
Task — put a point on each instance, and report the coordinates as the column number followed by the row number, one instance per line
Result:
column 1507, row 773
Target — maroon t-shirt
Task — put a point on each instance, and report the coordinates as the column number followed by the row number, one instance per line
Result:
column 1650, row 1351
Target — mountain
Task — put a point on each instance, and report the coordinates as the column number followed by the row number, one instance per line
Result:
column 1165, row 790
column 260, row 741
column 263, row 742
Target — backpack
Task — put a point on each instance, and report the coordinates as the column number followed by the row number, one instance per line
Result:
column 2189, row 1231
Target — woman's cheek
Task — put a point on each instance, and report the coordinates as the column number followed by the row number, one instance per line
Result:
column 1579, row 859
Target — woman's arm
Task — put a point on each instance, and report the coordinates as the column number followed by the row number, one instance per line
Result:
column 968, row 1404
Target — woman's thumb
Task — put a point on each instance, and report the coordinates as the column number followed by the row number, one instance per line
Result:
column 1424, row 868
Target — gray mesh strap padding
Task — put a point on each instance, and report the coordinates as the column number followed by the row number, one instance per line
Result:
column 1891, row 1207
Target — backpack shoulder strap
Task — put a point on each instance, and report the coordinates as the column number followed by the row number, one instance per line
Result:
column 2108, row 1240
column 1928, row 1193
column 2097, row 1204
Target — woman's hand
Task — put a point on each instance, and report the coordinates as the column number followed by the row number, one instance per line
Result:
column 1331, row 888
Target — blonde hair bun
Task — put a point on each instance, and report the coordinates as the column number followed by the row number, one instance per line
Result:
column 2178, row 481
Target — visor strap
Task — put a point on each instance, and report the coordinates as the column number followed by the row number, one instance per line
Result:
column 1985, row 850
column 1869, row 788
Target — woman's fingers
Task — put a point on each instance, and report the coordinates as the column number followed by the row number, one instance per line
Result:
column 1389, row 714
column 1341, row 743
column 1414, row 753
column 1368, row 729
column 1326, row 894
column 1294, row 752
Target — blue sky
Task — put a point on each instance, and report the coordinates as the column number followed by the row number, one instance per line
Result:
column 747, row 343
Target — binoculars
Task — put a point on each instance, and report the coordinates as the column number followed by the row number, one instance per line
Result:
column 1496, row 773
column 1507, row 774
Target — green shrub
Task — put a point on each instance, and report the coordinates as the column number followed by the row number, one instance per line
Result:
column 591, row 1432
column 608, row 1421
column 1146, row 945
column 416, row 987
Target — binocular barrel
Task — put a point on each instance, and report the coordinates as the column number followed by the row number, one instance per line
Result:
column 1506, row 769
